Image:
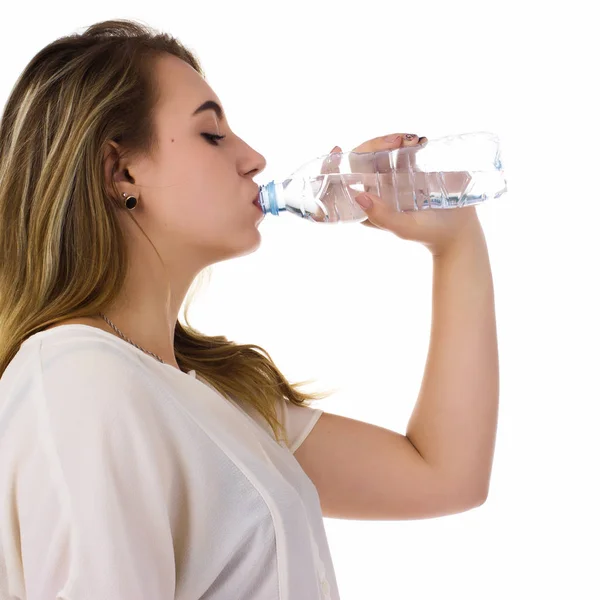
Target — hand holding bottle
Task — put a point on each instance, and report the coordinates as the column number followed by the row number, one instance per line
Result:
column 405, row 163
column 408, row 175
column 436, row 229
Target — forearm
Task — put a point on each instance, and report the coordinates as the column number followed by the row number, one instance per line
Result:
column 453, row 425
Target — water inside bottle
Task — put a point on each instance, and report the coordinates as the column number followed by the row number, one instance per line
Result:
column 329, row 198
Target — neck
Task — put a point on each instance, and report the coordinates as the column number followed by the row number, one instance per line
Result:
column 149, row 346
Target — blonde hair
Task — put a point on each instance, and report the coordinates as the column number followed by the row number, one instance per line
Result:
column 75, row 95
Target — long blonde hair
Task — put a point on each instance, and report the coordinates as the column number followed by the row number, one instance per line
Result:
column 75, row 95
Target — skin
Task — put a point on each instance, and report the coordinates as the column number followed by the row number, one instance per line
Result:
column 194, row 203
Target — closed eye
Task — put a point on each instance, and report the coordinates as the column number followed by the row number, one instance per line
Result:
column 212, row 138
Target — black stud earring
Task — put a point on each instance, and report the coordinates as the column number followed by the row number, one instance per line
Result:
column 130, row 202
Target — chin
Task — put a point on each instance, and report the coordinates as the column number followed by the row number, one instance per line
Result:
column 249, row 246
column 254, row 246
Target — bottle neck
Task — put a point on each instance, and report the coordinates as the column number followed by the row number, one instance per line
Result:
column 272, row 199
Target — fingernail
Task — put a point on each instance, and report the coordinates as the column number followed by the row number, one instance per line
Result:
column 392, row 138
column 364, row 201
column 335, row 149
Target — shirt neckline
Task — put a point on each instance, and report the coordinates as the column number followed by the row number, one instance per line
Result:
column 113, row 337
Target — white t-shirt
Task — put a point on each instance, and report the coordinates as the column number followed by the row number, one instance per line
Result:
column 123, row 478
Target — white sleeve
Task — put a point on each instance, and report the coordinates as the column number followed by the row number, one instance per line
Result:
column 298, row 421
column 99, row 527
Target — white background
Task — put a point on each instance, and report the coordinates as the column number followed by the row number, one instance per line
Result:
column 351, row 307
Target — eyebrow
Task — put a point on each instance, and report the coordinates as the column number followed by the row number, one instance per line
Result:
column 209, row 105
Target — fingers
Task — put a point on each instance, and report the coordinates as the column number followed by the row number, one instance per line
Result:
column 386, row 142
column 378, row 160
column 331, row 164
column 405, row 160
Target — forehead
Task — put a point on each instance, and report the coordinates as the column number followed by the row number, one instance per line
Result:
column 182, row 89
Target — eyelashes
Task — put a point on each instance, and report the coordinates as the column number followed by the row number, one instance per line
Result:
column 212, row 138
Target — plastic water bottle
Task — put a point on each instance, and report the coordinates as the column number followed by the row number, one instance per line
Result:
column 445, row 173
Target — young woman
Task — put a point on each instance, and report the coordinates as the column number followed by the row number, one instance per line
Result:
column 139, row 458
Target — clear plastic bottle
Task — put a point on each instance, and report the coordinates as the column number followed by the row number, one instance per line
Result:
column 449, row 172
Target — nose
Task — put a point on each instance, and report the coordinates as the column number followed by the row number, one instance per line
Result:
column 254, row 163
column 260, row 162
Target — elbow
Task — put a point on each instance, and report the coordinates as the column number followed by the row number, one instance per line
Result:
column 480, row 498
column 474, row 497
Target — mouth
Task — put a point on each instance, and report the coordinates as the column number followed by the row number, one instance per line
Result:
column 256, row 201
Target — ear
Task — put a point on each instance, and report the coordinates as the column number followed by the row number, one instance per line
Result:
column 111, row 160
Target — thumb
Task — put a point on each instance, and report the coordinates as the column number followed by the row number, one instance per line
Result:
column 364, row 201
column 381, row 215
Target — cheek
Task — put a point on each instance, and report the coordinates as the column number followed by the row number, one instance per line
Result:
column 204, row 202
column 206, row 215
column 207, row 187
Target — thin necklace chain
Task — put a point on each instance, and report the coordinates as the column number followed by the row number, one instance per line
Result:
column 127, row 339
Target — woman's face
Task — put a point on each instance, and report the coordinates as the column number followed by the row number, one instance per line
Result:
column 196, row 195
